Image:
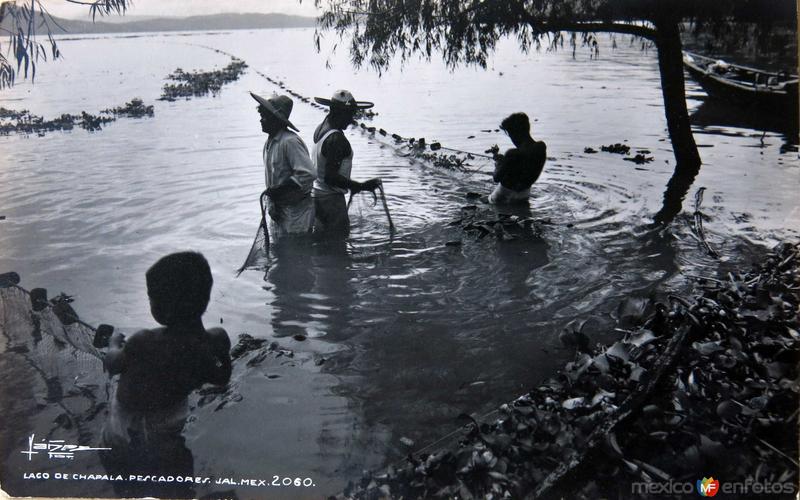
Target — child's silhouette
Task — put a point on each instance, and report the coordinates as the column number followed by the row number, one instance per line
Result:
column 158, row 369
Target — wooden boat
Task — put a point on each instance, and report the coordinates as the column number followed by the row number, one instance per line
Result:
column 742, row 85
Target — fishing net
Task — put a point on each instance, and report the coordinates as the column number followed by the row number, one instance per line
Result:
column 67, row 382
column 259, row 250
column 378, row 198
column 258, row 256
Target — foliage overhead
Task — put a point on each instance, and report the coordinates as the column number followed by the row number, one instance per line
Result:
column 23, row 20
column 467, row 31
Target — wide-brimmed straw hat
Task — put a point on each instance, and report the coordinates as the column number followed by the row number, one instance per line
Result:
column 280, row 106
column 343, row 99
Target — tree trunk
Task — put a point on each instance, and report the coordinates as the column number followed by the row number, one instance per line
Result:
column 670, row 64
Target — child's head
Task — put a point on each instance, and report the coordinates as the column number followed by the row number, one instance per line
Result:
column 516, row 125
column 179, row 287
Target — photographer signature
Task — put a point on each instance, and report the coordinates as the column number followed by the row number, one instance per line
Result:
column 55, row 448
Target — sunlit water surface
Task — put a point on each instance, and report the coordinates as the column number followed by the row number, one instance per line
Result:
column 403, row 332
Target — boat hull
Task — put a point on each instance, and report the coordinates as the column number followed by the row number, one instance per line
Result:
column 765, row 90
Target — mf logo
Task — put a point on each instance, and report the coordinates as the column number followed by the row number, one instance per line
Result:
column 707, row 487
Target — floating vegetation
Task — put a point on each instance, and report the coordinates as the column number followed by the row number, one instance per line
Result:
column 365, row 114
column 252, row 352
column 134, row 109
column 620, row 149
column 248, row 344
column 447, row 162
column 623, row 149
column 640, row 159
column 693, row 385
column 201, row 83
column 92, row 122
column 10, row 113
column 23, row 122
column 454, row 159
column 504, row 227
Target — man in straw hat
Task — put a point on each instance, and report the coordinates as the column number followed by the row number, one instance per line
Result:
column 289, row 172
column 333, row 159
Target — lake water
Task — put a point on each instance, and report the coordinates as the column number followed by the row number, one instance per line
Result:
column 403, row 332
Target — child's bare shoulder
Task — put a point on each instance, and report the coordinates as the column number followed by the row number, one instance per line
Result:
column 144, row 338
column 218, row 337
column 146, row 335
column 217, row 332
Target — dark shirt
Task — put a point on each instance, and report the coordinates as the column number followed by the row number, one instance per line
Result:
column 519, row 168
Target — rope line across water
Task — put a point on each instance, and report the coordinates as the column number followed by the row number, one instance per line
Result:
column 411, row 142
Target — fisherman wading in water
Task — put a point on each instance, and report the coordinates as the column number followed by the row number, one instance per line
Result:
column 517, row 169
column 289, row 172
column 333, row 158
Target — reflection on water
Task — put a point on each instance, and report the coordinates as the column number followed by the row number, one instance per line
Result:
column 719, row 115
column 311, row 285
column 677, row 189
column 391, row 335
column 169, row 456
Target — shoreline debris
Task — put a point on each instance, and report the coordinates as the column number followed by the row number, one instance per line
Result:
column 692, row 385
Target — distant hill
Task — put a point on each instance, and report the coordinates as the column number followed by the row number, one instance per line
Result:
column 192, row 23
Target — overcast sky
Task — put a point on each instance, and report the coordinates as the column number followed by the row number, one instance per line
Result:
column 61, row 8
